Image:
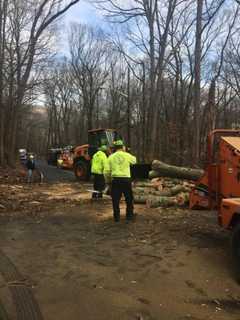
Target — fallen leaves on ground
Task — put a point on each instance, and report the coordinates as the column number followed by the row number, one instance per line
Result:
column 37, row 199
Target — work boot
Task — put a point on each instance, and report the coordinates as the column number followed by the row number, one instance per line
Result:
column 116, row 218
column 94, row 195
column 131, row 217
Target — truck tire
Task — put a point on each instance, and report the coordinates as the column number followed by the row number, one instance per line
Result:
column 235, row 249
column 81, row 170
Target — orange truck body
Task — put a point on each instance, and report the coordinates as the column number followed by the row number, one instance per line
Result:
column 82, row 151
column 219, row 187
column 67, row 159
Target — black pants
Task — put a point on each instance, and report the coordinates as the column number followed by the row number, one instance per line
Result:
column 98, row 185
column 122, row 186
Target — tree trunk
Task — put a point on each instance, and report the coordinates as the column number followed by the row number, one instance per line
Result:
column 143, row 115
column 2, row 158
column 128, row 111
column 160, row 68
column 155, row 202
column 197, row 82
column 161, row 169
column 13, row 138
column 3, row 17
column 212, row 105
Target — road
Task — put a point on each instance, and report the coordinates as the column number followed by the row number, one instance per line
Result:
column 53, row 174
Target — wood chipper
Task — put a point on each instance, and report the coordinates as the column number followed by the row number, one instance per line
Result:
column 82, row 155
column 219, row 187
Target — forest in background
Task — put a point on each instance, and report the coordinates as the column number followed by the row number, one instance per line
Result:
column 164, row 74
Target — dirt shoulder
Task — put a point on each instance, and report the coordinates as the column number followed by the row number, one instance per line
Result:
column 170, row 264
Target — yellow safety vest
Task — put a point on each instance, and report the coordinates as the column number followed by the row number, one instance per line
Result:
column 118, row 164
column 98, row 162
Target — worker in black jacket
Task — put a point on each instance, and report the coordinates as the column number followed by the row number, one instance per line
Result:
column 30, row 164
column 117, row 171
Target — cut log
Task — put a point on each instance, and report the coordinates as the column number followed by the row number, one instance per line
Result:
column 146, row 191
column 161, row 169
column 160, row 187
column 155, row 202
column 156, row 180
column 188, row 184
column 157, row 183
column 151, row 191
column 177, row 189
column 141, row 190
column 143, row 184
column 140, row 199
column 166, row 192
column 162, row 193
column 183, row 198
column 171, row 181
column 154, row 174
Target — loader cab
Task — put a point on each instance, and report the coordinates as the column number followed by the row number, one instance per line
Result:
column 53, row 155
column 99, row 137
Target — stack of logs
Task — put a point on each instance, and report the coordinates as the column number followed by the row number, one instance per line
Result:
column 168, row 186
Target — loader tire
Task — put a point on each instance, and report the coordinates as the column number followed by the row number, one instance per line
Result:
column 81, row 170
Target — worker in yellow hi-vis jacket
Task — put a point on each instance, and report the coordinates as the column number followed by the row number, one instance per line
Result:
column 117, row 170
column 97, row 169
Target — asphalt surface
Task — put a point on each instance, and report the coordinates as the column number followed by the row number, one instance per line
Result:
column 53, row 174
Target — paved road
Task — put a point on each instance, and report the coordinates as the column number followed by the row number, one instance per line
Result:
column 53, row 174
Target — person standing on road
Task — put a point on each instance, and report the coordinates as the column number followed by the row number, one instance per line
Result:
column 30, row 164
column 98, row 164
column 117, row 171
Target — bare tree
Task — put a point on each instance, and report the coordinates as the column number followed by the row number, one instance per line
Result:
column 173, row 72
column 24, row 27
column 59, row 92
column 90, row 54
column 197, row 78
column 3, row 18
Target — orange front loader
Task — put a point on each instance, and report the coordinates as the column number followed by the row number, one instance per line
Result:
column 82, row 155
column 219, row 187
